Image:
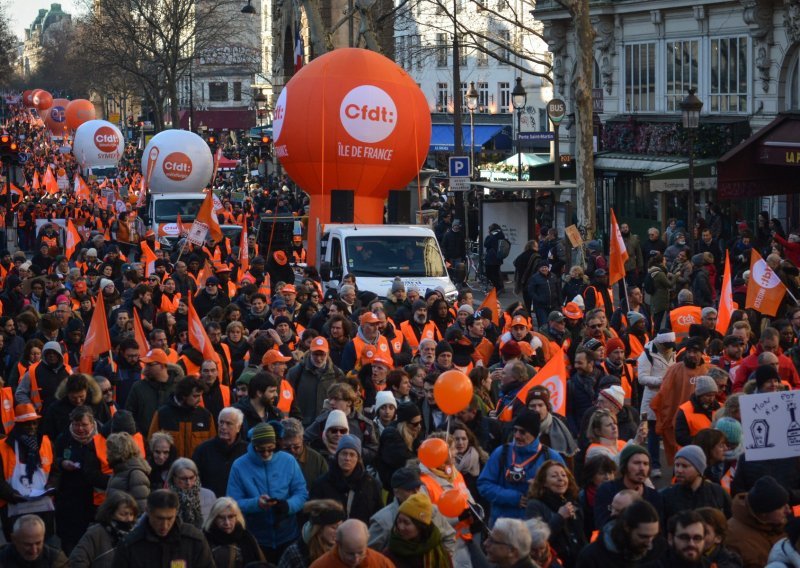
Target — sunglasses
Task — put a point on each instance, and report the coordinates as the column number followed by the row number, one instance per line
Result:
column 338, row 430
column 415, row 424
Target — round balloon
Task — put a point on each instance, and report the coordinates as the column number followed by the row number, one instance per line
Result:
column 42, row 100
column 433, row 453
column 97, row 143
column 55, row 117
column 180, row 160
column 27, row 98
column 78, row 112
column 452, row 503
column 452, row 391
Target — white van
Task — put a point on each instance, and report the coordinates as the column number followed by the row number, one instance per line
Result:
column 375, row 254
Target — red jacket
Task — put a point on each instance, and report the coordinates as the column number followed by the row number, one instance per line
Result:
column 786, row 370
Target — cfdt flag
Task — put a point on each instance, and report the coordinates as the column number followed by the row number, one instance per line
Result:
column 765, row 291
column 726, row 303
column 553, row 376
column 618, row 254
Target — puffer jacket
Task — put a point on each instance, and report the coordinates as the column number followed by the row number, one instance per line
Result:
column 133, row 477
column 189, row 427
column 56, row 420
column 281, row 479
column 748, row 536
column 184, row 545
column 783, row 555
column 651, row 370
column 96, row 548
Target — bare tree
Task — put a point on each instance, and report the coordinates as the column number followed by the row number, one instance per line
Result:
column 8, row 43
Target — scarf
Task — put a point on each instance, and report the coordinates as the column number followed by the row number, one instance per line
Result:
column 430, row 550
column 28, row 447
column 83, row 440
column 560, row 438
column 469, row 462
column 189, row 505
column 447, row 472
column 118, row 530
column 365, row 340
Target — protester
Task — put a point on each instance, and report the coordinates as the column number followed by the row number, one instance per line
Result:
column 116, row 518
column 231, row 543
column 28, row 548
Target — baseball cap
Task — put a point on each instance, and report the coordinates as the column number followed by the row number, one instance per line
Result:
column 368, row 317
column 320, row 344
column 555, row 315
column 383, row 358
column 155, row 356
column 274, row 356
column 572, row 311
column 289, row 289
column 519, row 320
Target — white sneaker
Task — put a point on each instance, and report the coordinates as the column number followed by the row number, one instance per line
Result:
column 655, row 474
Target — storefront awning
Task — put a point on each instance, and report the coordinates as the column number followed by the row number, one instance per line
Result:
column 676, row 178
column 767, row 163
column 442, row 136
column 622, row 162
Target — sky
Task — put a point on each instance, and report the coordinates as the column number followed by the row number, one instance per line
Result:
column 22, row 12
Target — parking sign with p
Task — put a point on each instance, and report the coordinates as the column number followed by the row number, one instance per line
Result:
column 459, row 166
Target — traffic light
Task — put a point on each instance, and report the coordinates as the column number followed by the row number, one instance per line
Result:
column 266, row 145
column 265, row 140
column 211, row 140
column 9, row 147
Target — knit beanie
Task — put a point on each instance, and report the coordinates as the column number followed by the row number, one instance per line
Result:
column 467, row 309
column 443, row 347
column 613, row 344
column 704, row 385
column 262, row 434
column 105, row 282
column 336, row 419
column 418, row 305
column 767, row 495
column 383, row 398
column 349, row 442
column 397, row 285
column 634, row 317
column 418, row 507
column 406, row 411
column 614, row 394
column 732, row 429
column 766, row 373
column 628, row 452
column 539, row 392
column 529, row 421
column 695, row 456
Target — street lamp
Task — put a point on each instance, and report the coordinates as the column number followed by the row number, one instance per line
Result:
column 261, row 106
column 249, row 9
column 690, row 107
column 518, row 99
column 472, row 104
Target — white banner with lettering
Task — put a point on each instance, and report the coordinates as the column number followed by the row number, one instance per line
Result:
column 770, row 425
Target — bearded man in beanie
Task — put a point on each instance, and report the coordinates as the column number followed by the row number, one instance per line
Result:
column 505, row 478
column 696, row 413
column 270, row 490
column 690, row 491
column 758, row 522
column 633, row 472
column 554, row 432
column 615, row 365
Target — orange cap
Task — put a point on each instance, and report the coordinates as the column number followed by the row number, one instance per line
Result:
column 274, row 356
column 368, row 317
column 155, row 356
column 572, row 311
column 519, row 320
column 320, row 344
column 25, row 413
column 280, row 257
column 289, row 289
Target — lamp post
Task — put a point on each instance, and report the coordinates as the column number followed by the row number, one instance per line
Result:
column 248, row 8
column 690, row 107
column 261, row 100
column 472, row 104
column 518, row 99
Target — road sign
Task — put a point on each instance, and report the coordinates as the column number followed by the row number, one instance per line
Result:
column 536, row 135
column 459, row 166
column 459, row 184
column 556, row 109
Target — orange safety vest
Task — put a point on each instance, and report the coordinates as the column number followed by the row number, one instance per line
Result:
column 636, row 346
column 7, row 408
column 620, row 444
column 360, row 344
column 139, row 439
column 695, row 420
column 9, row 458
column 430, row 331
column 99, row 495
column 285, row 397
column 299, row 256
column 36, row 395
column 191, row 368
column 681, row 318
column 168, row 305
column 435, row 492
column 225, row 391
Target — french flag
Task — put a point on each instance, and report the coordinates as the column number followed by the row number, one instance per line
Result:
column 298, row 48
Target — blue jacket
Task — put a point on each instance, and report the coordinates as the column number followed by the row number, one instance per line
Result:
column 502, row 494
column 280, row 478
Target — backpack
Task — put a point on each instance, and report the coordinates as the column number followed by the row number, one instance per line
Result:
column 649, row 284
column 503, row 248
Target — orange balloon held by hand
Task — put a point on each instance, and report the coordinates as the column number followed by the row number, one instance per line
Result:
column 433, row 453
column 452, row 503
column 452, row 391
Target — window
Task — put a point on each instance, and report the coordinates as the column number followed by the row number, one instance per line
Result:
column 640, row 77
column 464, row 97
column 237, row 90
column 504, row 96
column 483, row 97
column 728, row 75
column 480, row 52
column 503, row 52
column 217, row 91
column 462, row 51
column 441, row 50
column 682, row 58
column 442, row 96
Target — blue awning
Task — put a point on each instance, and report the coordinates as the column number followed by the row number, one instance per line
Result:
column 442, row 136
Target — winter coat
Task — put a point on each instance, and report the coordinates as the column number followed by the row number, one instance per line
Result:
column 358, row 424
column 147, row 396
column 453, row 245
column 503, row 494
column 605, row 494
column 56, row 419
column 566, row 535
column 701, row 287
column 50, row 558
column 605, row 553
column 234, row 550
column 133, row 477
column 251, row 417
column 581, row 396
column 281, row 479
column 47, row 378
column 189, row 427
column 490, row 244
column 663, row 282
column 203, row 302
column 142, row 548
column 783, row 555
column 359, row 494
column 311, row 385
column 95, row 549
column 545, row 291
column 214, row 459
column 678, row 498
column 393, row 453
column 382, row 523
column 750, row 537
column 651, row 372
column 786, row 472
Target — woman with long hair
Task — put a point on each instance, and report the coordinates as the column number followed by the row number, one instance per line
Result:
column 399, row 442
column 553, row 497
column 32, row 353
column 439, row 314
column 713, row 444
column 468, row 455
column 160, row 456
column 317, row 536
column 237, row 343
column 415, row 541
column 195, row 501
column 232, row 545
column 131, row 473
column 603, row 435
column 596, row 471
column 115, row 518
column 481, row 380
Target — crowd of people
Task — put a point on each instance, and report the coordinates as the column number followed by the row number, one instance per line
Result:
column 242, row 418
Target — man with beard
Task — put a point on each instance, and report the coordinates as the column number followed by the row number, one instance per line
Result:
column 731, row 357
column 400, row 350
column 183, row 418
column 676, row 388
column 419, row 327
column 311, row 379
column 634, row 539
column 635, row 263
column 339, row 336
column 686, row 537
column 426, row 357
column 690, row 490
column 769, row 342
column 616, row 366
column 216, row 396
column 259, row 405
column 633, row 473
column 368, row 334
column 696, row 413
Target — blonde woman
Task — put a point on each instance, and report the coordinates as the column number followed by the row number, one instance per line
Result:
column 232, row 545
column 399, row 442
column 603, row 435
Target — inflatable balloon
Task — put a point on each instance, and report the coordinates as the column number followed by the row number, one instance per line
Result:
column 452, row 503
column 78, row 112
column 97, row 143
column 452, row 391
column 55, row 117
column 180, row 160
column 42, row 100
column 27, row 98
column 433, row 453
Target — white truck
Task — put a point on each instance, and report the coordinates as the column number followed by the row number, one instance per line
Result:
column 376, row 254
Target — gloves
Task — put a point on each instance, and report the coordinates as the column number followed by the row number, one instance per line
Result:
column 281, row 507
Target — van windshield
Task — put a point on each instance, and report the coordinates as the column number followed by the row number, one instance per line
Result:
column 392, row 256
column 166, row 210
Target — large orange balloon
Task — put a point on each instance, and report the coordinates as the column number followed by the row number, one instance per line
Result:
column 452, row 391
column 452, row 503
column 55, row 118
column 27, row 98
column 42, row 100
column 433, row 453
column 78, row 112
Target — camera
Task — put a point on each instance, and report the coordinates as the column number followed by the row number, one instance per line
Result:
column 515, row 475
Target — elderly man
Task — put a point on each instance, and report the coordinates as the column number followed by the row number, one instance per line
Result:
column 351, row 550
column 27, row 547
column 512, row 378
column 368, row 334
column 509, row 545
column 312, row 378
column 312, row 463
column 214, row 458
column 419, row 327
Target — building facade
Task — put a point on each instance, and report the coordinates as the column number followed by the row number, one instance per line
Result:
column 44, row 27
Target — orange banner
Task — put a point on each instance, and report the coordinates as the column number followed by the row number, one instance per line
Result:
column 553, row 376
column 765, row 291
column 726, row 303
column 618, row 253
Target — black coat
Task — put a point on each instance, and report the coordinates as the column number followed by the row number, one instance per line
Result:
column 214, row 459
column 567, row 536
column 453, row 245
column 393, row 454
column 365, row 500
column 545, row 291
column 490, row 243
column 142, row 548
column 236, row 549
column 679, row 498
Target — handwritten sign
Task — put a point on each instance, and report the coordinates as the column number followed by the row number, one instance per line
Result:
column 770, row 425
column 574, row 236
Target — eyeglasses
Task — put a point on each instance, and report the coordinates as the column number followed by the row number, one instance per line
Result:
column 689, row 538
column 338, row 430
column 491, row 539
column 261, row 449
column 415, row 424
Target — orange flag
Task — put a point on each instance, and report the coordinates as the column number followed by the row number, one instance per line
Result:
column 490, row 301
column 50, row 182
column 244, row 253
column 181, row 228
column 98, row 340
column 618, row 253
column 72, row 239
column 148, row 258
column 139, row 334
column 765, row 291
column 36, row 184
column 217, row 158
column 198, row 338
column 726, row 303
column 81, row 189
column 204, row 274
column 553, row 376
column 207, row 216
